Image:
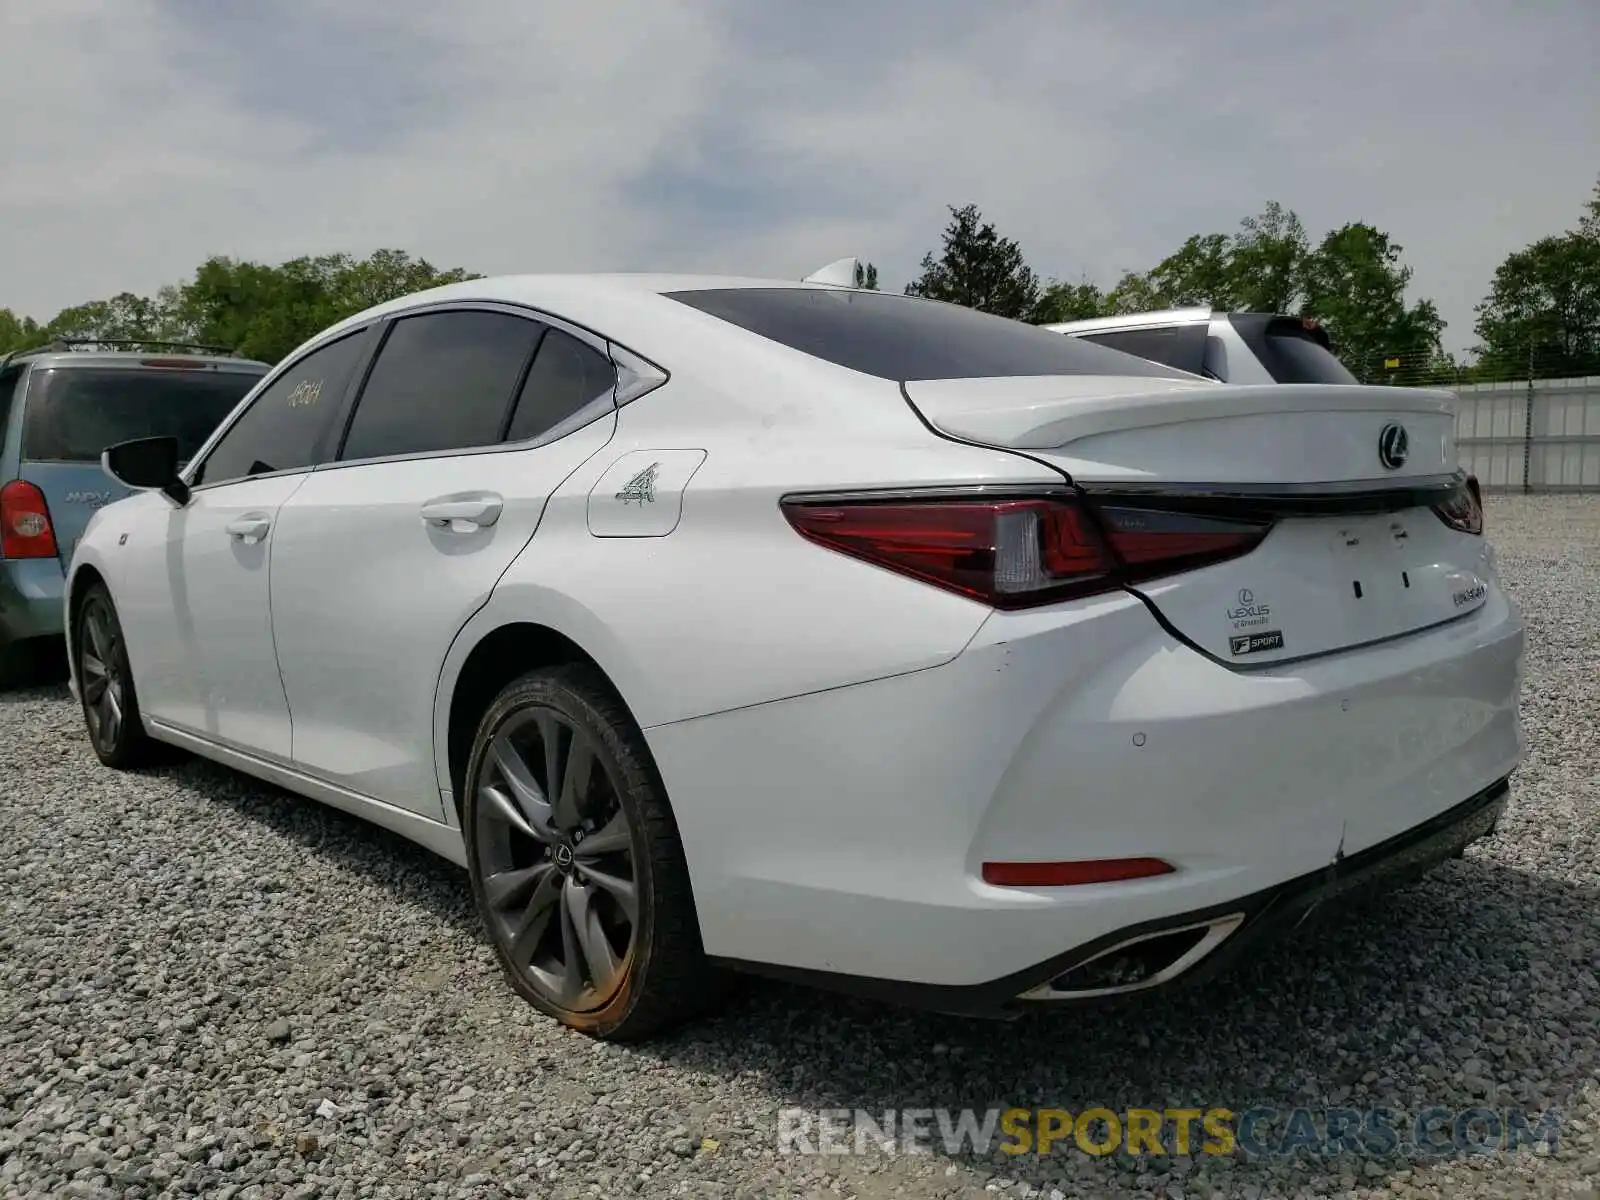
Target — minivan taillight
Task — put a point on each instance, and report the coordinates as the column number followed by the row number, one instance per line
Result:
column 25, row 529
column 1015, row 552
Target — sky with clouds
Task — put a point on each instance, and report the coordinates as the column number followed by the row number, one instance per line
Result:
column 756, row 137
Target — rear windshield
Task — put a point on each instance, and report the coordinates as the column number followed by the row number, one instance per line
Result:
column 905, row 338
column 74, row 413
column 1291, row 351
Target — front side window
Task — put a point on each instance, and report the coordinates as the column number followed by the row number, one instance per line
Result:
column 74, row 413
column 566, row 376
column 286, row 426
column 442, row 381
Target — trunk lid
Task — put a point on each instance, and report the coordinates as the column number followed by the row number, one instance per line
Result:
column 1349, row 478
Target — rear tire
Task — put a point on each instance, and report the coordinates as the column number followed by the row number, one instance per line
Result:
column 105, row 686
column 576, row 863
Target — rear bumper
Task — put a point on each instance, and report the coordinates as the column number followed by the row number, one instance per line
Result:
column 843, row 833
column 1251, row 921
column 30, row 599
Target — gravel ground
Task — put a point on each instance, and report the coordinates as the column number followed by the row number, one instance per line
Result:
column 211, row 987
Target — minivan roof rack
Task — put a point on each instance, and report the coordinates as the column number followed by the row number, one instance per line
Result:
column 202, row 347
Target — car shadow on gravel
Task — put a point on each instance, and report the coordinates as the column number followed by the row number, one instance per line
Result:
column 1474, row 987
column 357, row 848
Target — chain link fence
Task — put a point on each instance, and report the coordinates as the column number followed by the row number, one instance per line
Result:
column 1528, row 421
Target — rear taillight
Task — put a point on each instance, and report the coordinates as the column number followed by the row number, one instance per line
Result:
column 1463, row 511
column 25, row 529
column 1152, row 541
column 1017, row 552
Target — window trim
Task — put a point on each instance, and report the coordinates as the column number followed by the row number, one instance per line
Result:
column 637, row 376
column 362, row 333
column 591, row 412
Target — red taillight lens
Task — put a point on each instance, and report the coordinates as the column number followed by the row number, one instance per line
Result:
column 25, row 529
column 1152, row 541
column 1018, row 552
column 1463, row 511
column 1010, row 553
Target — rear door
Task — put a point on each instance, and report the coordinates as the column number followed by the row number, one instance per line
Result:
column 469, row 419
column 73, row 412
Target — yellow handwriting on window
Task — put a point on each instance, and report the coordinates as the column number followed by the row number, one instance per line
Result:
column 305, row 393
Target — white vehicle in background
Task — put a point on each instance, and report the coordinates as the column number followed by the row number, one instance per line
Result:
column 842, row 636
column 1229, row 347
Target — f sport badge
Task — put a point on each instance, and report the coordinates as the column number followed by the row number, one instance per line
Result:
column 1255, row 643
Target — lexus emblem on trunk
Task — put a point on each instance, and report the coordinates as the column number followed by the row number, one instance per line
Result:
column 1394, row 447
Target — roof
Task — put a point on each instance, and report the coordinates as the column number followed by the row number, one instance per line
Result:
column 1165, row 316
column 620, row 305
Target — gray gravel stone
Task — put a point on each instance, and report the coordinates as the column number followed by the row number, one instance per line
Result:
column 151, row 924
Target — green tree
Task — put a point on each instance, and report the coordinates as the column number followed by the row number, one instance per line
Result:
column 1200, row 272
column 1266, row 262
column 1135, row 292
column 19, row 333
column 1355, row 284
column 1062, row 301
column 979, row 269
column 1542, row 313
column 867, row 277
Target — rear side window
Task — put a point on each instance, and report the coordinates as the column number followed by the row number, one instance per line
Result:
column 74, row 413
column 443, row 381
column 566, row 376
column 905, row 338
column 286, row 426
column 1179, row 346
column 9, row 377
column 1291, row 351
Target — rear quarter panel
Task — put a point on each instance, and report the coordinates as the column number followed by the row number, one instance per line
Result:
column 734, row 608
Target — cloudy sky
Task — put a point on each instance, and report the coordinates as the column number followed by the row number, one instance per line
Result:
column 751, row 136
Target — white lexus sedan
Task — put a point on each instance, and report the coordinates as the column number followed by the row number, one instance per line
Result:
column 842, row 636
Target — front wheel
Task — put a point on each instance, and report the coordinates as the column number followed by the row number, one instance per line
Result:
column 105, row 685
column 576, row 862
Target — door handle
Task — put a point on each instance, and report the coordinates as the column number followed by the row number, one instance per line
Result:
column 463, row 513
column 249, row 529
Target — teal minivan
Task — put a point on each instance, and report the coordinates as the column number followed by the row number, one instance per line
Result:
column 60, row 406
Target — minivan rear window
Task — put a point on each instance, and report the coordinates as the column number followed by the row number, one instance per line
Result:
column 1291, row 350
column 906, row 338
column 74, row 413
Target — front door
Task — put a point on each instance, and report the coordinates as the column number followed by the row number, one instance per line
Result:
column 197, row 615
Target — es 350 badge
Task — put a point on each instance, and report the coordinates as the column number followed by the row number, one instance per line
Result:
column 1255, row 643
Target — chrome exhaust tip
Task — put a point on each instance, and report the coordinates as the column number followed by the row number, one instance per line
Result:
column 1139, row 962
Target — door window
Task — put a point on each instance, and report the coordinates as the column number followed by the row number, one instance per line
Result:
column 442, row 381
column 285, row 427
column 566, row 376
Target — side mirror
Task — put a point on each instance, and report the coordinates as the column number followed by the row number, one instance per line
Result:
column 147, row 464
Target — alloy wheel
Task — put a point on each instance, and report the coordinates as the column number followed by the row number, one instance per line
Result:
column 556, row 858
column 104, row 694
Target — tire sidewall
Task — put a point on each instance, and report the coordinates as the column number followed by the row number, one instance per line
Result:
column 551, row 690
column 120, row 752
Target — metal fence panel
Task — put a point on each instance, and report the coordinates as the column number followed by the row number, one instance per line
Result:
column 1538, row 436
